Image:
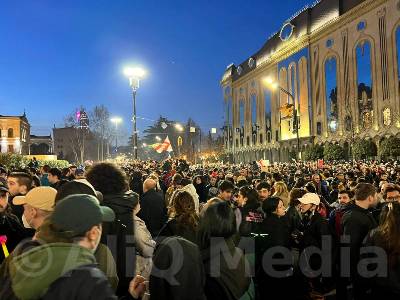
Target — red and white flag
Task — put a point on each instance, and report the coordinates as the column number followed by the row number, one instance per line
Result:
column 164, row 146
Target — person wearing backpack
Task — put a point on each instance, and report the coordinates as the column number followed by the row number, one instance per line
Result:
column 112, row 182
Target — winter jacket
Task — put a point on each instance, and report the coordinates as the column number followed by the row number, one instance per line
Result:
column 201, row 192
column 153, row 211
column 173, row 228
column 382, row 287
column 11, row 227
column 314, row 228
column 276, row 235
column 178, row 272
column 44, row 180
column 233, row 282
column 335, row 220
column 252, row 219
column 356, row 223
column 63, row 271
column 144, row 245
column 293, row 218
column 119, row 236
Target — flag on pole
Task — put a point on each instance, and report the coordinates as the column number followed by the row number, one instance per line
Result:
column 165, row 146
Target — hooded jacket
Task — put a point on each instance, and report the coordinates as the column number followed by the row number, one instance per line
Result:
column 118, row 236
column 58, row 271
column 192, row 191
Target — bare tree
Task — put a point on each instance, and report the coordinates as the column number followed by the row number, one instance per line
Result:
column 100, row 126
column 77, row 136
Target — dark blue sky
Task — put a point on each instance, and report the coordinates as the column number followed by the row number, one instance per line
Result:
column 57, row 55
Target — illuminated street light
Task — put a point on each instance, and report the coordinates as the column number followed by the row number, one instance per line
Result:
column 178, row 127
column 134, row 75
column 116, row 121
column 144, row 145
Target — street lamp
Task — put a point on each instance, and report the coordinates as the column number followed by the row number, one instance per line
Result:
column 178, row 127
column 134, row 75
column 273, row 85
column 116, row 121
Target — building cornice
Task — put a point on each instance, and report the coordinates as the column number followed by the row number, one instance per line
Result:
column 293, row 47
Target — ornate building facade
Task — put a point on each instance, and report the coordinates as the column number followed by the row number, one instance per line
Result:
column 331, row 74
column 15, row 134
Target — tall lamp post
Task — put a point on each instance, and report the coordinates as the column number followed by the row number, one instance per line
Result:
column 134, row 75
column 116, row 121
column 274, row 86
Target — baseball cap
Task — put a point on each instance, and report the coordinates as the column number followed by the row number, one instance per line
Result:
column 310, row 198
column 80, row 212
column 42, row 197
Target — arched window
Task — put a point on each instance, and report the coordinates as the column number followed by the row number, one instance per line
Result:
column 398, row 53
column 228, row 111
column 267, row 96
column 293, row 83
column 241, row 113
column 253, row 109
column 10, row 132
column 331, row 93
column 364, row 83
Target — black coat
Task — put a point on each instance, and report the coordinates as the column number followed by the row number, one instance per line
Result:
column 118, row 236
column 385, row 287
column 268, row 286
column 252, row 219
column 180, row 274
column 223, row 281
column 293, row 219
column 172, row 228
column 153, row 211
column 86, row 282
column 11, row 227
column 356, row 223
column 314, row 229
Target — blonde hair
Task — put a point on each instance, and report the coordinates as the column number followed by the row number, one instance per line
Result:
column 281, row 191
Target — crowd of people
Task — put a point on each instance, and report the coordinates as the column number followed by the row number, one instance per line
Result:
column 171, row 230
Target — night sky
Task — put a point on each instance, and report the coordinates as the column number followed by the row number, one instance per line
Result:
column 57, row 55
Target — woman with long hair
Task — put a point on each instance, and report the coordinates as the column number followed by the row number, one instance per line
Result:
column 217, row 228
column 183, row 219
column 386, row 237
column 293, row 211
column 200, row 186
column 281, row 191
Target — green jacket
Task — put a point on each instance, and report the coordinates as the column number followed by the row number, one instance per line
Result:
column 34, row 271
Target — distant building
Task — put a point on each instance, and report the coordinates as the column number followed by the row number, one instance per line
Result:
column 15, row 134
column 331, row 74
column 41, row 145
column 72, row 143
